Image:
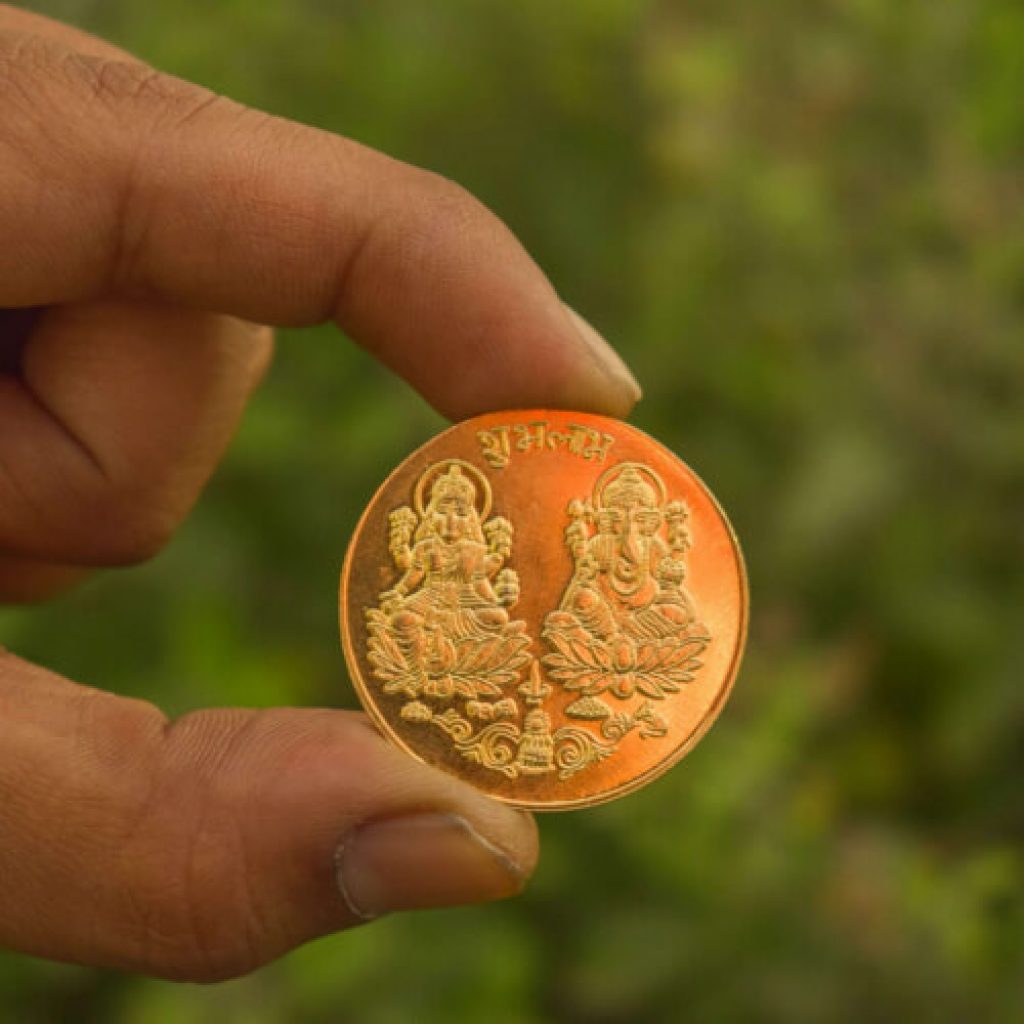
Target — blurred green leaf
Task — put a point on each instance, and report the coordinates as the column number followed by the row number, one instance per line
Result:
column 801, row 223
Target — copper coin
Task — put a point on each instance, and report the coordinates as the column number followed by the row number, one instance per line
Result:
column 549, row 605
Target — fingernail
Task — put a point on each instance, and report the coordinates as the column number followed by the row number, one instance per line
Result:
column 608, row 359
column 421, row 861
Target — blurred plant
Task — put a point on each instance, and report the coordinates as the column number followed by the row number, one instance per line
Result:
column 802, row 223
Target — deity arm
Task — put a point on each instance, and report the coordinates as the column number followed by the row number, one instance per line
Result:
column 409, row 581
column 415, row 573
column 577, row 533
column 596, row 552
column 659, row 554
column 496, row 585
column 677, row 515
column 506, row 587
column 401, row 524
column 668, row 566
column 485, row 589
column 670, row 574
column 401, row 554
column 498, row 532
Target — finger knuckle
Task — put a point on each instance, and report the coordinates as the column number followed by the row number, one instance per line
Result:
column 215, row 902
column 448, row 209
column 47, row 89
column 118, row 729
column 94, row 518
column 127, row 525
column 151, row 96
column 190, row 913
column 193, row 904
column 21, row 53
column 23, row 65
column 44, row 74
column 441, row 224
column 110, row 81
column 43, row 82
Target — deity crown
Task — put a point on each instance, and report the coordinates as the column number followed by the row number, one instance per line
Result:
column 629, row 488
column 454, row 485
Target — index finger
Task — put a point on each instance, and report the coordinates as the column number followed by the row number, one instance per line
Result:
column 117, row 179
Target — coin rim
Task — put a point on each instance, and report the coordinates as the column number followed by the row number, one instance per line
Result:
column 635, row 782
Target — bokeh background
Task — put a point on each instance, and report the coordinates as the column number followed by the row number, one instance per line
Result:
column 802, row 222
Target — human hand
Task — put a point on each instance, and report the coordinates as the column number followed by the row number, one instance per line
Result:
column 147, row 225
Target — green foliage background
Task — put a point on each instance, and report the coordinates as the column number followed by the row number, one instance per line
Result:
column 802, row 223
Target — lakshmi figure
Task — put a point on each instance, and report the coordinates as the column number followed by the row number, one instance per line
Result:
column 447, row 614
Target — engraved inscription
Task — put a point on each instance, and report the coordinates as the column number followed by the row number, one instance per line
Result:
column 498, row 443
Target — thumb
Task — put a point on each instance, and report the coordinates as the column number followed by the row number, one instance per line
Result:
column 203, row 848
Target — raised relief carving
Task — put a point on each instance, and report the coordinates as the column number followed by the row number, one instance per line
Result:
column 443, row 630
column 625, row 636
column 627, row 627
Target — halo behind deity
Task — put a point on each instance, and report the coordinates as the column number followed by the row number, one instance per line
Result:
column 483, row 487
column 613, row 471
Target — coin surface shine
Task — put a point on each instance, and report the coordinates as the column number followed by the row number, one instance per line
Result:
column 549, row 605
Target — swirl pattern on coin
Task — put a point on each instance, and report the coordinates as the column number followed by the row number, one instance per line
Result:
column 550, row 605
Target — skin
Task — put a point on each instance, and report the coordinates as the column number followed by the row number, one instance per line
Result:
column 149, row 226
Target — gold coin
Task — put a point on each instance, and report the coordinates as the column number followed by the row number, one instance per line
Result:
column 549, row 605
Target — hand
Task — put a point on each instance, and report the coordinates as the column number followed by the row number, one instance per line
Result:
column 147, row 225
column 506, row 588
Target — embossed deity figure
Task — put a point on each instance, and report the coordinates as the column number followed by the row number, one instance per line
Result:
column 443, row 630
column 626, row 622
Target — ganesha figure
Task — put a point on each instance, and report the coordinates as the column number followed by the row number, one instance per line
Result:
column 626, row 623
column 443, row 629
